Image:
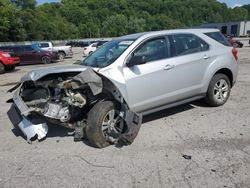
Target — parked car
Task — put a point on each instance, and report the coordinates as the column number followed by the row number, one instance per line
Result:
column 92, row 47
column 8, row 61
column 72, row 43
column 106, row 95
column 84, row 43
column 63, row 51
column 31, row 54
column 235, row 43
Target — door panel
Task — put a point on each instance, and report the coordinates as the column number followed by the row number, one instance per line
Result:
column 165, row 81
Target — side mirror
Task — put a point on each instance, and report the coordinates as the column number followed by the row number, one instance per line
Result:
column 136, row 60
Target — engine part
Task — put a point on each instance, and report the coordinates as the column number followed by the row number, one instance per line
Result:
column 56, row 111
column 75, row 99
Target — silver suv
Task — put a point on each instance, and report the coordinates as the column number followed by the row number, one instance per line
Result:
column 105, row 96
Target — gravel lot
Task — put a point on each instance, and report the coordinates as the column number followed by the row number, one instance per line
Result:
column 218, row 139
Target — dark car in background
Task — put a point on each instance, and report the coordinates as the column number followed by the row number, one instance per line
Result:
column 79, row 43
column 30, row 54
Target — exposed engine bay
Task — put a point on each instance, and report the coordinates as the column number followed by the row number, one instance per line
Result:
column 57, row 100
column 66, row 99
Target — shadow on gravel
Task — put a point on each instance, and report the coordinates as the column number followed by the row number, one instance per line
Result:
column 175, row 110
column 167, row 112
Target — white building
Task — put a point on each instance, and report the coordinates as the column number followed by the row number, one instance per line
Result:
column 237, row 29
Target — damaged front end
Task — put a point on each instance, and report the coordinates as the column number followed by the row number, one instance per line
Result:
column 65, row 98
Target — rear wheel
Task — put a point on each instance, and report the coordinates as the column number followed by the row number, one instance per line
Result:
column 46, row 60
column 61, row 56
column 218, row 90
column 2, row 68
column 104, row 125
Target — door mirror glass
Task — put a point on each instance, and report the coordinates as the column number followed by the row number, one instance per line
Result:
column 136, row 60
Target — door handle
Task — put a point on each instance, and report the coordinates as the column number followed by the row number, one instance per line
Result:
column 206, row 57
column 169, row 67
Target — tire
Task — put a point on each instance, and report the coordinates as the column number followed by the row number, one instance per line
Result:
column 98, row 129
column 46, row 60
column 61, row 56
column 2, row 68
column 236, row 45
column 90, row 52
column 10, row 68
column 218, row 90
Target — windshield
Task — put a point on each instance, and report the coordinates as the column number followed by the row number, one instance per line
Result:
column 107, row 54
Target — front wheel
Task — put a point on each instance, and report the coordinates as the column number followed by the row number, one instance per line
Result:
column 218, row 90
column 46, row 60
column 10, row 68
column 104, row 125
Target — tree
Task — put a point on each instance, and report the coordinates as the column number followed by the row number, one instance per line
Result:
column 25, row 4
column 24, row 20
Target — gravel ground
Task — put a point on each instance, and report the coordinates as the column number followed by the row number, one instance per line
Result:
column 216, row 139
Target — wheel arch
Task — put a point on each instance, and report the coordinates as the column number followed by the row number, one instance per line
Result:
column 61, row 51
column 227, row 72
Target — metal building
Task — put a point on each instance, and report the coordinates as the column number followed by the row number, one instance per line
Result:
column 236, row 29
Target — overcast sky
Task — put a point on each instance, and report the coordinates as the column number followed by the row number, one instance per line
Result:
column 230, row 3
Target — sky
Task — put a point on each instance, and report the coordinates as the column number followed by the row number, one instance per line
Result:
column 234, row 3
column 230, row 3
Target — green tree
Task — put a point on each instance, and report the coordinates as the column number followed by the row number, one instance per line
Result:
column 25, row 4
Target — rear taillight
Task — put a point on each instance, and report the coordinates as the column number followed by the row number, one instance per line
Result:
column 235, row 53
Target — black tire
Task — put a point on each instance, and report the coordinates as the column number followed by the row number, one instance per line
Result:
column 61, row 56
column 218, row 95
column 2, row 68
column 46, row 60
column 90, row 52
column 10, row 68
column 236, row 45
column 96, row 116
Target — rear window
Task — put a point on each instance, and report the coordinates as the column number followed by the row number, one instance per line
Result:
column 219, row 38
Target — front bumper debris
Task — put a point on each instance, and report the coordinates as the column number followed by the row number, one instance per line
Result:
column 29, row 129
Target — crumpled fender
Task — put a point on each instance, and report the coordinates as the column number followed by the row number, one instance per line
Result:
column 86, row 76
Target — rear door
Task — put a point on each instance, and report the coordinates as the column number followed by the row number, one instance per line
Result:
column 191, row 59
column 29, row 55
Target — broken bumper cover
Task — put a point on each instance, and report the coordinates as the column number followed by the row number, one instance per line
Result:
column 18, row 116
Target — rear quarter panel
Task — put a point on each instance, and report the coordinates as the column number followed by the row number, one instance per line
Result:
column 220, row 58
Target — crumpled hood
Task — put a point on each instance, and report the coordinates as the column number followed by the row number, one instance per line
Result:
column 37, row 74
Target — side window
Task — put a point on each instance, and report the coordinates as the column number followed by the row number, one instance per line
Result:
column 218, row 36
column 44, row 45
column 188, row 44
column 153, row 50
column 28, row 49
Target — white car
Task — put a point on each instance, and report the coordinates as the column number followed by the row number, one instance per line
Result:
column 92, row 47
column 89, row 49
column 106, row 95
column 63, row 51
